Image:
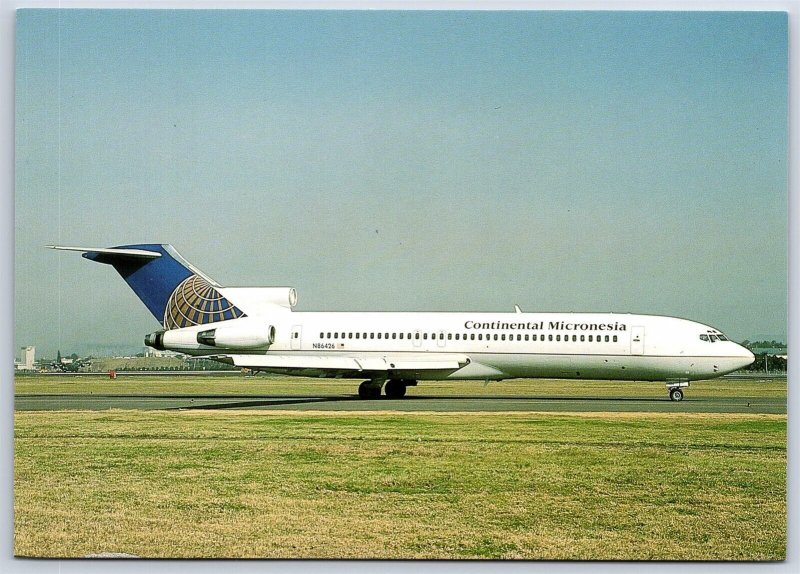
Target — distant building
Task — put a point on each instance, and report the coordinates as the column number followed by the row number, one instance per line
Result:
column 27, row 360
column 150, row 352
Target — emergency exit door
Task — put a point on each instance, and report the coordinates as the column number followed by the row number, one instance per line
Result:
column 637, row 341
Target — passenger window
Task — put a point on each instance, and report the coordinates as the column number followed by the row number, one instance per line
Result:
column 394, row 335
column 503, row 337
column 495, row 336
column 606, row 338
column 441, row 336
column 349, row 335
column 574, row 338
column 526, row 337
column 458, row 335
column 590, row 338
column 449, row 336
column 416, row 335
column 558, row 337
column 472, row 337
column 615, row 338
column 549, row 337
column 425, row 336
column 401, row 335
column 372, row 335
column 379, row 335
column 533, row 337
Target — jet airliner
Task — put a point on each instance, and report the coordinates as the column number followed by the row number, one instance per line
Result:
column 257, row 328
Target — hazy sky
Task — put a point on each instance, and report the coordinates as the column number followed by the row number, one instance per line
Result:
column 626, row 162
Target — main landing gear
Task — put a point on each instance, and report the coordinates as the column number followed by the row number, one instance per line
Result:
column 675, row 389
column 394, row 389
column 369, row 390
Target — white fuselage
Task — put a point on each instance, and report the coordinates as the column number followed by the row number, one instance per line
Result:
column 496, row 345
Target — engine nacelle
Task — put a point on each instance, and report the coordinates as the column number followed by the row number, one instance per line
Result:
column 155, row 340
column 260, row 300
column 250, row 335
column 236, row 334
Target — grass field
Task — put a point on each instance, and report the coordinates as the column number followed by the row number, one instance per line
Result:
column 669, row 486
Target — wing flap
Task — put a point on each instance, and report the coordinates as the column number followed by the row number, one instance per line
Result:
column 384, row 363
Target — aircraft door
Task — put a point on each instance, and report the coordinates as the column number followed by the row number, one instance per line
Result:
column 417, row 339
column 441, row 338
column 297, row 337
column 637, row 340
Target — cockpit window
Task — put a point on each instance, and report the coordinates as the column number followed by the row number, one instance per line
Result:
column 712, row 337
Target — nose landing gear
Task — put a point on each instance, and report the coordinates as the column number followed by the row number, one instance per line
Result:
column 675, row 389
column 676, row 395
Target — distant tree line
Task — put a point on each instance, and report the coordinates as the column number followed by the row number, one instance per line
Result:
column 769, row 363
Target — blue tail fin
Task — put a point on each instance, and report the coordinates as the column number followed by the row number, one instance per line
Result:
column 175, row 292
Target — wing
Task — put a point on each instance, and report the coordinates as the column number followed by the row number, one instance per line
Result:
column 406, row 364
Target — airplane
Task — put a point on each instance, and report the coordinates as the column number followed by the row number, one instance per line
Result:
column 256, row 328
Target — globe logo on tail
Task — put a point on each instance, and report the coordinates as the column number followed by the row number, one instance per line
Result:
column 196, row 302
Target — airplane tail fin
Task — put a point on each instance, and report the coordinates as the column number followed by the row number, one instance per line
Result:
column 176, row 293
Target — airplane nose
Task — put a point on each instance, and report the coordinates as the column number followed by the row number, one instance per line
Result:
column 747, row 356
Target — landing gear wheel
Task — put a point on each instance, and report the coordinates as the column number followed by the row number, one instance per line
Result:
column 395, row 389
column 369, row 390
column 676, row 395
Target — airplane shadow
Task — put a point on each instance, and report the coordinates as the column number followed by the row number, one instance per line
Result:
column 279, row 400
column 265, row 402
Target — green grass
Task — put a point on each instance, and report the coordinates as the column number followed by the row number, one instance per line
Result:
column 615, row 486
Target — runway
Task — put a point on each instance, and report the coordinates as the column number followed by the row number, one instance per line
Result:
column 414, row 403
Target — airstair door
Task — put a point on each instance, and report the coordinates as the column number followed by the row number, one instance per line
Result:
column 637, row 340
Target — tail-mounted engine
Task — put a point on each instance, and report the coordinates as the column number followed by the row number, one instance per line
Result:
column 238, row 336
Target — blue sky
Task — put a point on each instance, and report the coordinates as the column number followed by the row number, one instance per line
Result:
column 562, row 161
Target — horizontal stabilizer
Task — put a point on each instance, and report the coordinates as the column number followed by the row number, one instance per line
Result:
column 114, row 252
